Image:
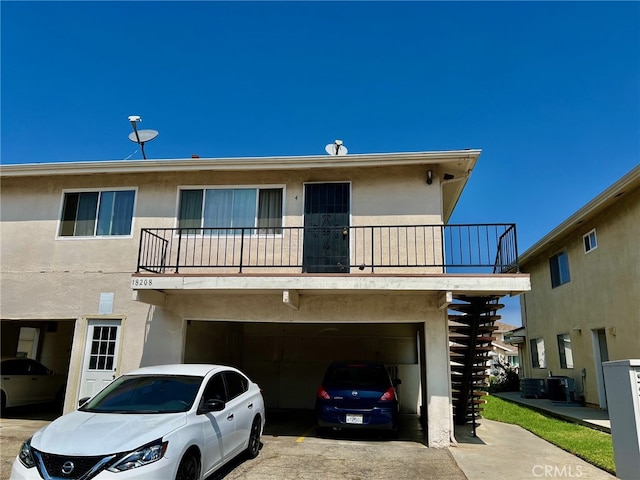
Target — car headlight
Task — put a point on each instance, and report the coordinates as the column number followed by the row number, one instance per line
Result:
column 152, row 452
column 25, row 455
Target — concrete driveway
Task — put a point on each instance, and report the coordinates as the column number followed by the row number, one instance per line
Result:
column 292, row 450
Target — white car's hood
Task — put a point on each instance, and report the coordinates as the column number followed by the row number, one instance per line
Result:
column 85, row 433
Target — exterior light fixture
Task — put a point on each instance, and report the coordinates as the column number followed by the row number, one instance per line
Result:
column 429, row 177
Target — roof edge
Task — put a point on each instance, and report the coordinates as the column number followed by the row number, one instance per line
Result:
column 237, row 163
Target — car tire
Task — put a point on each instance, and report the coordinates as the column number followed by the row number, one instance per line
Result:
column 254, row 438
column 189, row 468
column 4, row 404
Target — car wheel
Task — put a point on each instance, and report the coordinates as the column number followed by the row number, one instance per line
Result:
column 189, row 468
column 4, row 403
column 254, row 439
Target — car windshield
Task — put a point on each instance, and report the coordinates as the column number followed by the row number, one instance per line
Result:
column 146, row 394
column 360, row 376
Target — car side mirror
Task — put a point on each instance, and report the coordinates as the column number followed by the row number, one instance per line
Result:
column 212, row 405
column 83, row 400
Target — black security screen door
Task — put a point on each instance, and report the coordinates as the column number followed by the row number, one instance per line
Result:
column 326, row 222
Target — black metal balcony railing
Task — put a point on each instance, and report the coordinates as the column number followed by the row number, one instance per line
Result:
column 488, row 248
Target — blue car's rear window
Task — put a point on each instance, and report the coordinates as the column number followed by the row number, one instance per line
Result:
column 357, row 376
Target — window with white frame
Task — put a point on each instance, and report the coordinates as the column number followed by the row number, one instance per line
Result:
column 559, row 266
column 590, row 241
column 537, row 353
column 230, row 209
column 97, row 213
column 564, row 349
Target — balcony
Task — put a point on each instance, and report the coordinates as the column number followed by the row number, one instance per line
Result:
column 389, row 250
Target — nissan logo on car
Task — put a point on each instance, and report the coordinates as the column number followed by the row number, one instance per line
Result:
column 68, row 467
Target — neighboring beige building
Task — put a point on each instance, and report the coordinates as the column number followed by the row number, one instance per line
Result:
column 503, row 355
column 584, row 304
column 277, row 265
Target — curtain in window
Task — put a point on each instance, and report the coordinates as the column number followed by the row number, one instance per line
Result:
column 218, row 209
column 541, row 354
column 86, row 214
column 123, row 212
column 564, row 348
column 105, row 213
column 115, row 213
column 244, row 208
column 270, row 210
column 568, row 352
column 190, row 209
column 537, row 353
column 230, row 208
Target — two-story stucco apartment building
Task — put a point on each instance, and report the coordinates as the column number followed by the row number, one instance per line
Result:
column 584, row 305
column 277, row 265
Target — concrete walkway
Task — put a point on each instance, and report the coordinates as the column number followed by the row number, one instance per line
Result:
column 503, row 451
column 508, row 451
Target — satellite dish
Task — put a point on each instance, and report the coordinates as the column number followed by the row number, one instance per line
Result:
column 336, row 148
column 143, row 136
column 140, row 136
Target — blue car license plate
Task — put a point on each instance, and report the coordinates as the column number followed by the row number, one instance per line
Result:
column 354, row 418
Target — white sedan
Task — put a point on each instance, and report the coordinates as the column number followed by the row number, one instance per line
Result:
column 165, row 422
column 24, row 381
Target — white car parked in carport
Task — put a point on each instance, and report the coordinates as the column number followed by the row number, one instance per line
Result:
column 165, row 422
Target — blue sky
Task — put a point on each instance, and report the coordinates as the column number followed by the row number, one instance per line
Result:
column 550, row 91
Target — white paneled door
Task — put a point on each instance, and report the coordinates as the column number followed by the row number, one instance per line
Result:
column 101, row 351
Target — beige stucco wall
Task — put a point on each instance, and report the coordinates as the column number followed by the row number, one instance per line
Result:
column 603, row 293
column 45, row 277
column 31, row 209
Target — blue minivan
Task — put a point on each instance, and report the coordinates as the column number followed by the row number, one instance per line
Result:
column 358, row 395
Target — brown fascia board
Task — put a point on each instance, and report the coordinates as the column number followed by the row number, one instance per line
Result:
column 610, row 196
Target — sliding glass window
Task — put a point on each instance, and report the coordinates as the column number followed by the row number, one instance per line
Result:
column 97, row 213
column 229, row 211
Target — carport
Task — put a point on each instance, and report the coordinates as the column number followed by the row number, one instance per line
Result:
column 288, row 360
column 283, row 330
column 47, row 341
column 285, row 337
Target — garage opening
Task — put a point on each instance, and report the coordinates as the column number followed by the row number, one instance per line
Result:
column 45, row 341
column 288, row 361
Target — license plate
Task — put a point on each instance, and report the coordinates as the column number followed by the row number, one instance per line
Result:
column 354, row 418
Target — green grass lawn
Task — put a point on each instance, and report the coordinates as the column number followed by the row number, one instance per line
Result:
column 591, row 445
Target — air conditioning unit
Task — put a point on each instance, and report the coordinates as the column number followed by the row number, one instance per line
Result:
column 533, row 388
column 561, row 389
